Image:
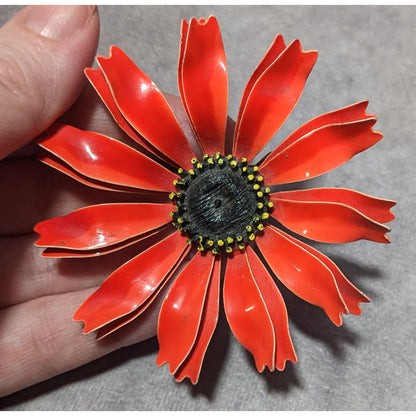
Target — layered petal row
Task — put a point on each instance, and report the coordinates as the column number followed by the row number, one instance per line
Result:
column 319, row 150
column 189, row 314
column 98, row 226
column 61, row 166
column 271, row 95
column 333, row 215
column 302, row 272
column 256, row 311
column 275, row 49
column 191, row 367
column 346, row 114
column 99, row 82
column 123, row 320
column 104, row 159
column 203, row 82
column 350, row 295
column 144, row 107
column 57, row 252
column 132, row 284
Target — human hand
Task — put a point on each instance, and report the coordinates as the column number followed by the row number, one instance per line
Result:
column 43, row 51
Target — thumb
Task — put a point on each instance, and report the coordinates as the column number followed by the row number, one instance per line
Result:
column 43, row 51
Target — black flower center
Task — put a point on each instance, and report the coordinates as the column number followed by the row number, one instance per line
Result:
column 220, row 203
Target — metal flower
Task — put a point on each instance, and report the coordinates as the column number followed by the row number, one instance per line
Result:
column 219, row 206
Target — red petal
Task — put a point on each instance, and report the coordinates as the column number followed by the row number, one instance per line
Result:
column 103, row 225
column 124, row 320
column 320, row 151
column 131, row 284
column 272, row 99
column 203, row 83
column 375, row 208
column 329, row 222
column 192, row 365
column 57, row 164
column 247, row 312
column 349, row 293
column 276, row 308
column 102, row 158
column 144, row 106
column 277, row 47
column 68, row 253
column 181, row 312
column 98, row 81
column 347, row 114
column 303, row 273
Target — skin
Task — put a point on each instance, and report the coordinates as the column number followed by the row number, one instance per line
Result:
column 41, row 73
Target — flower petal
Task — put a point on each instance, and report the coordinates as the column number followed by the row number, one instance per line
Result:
column 247, row 312
column 98, row 226
column 125, row 319
column 131, row 284
column 277, row 310
column 276, row 48
column 349, row 293
column 101, row 251
column 56, row 163
column 101, row 158
column 320, row 151
column 377, row 209
column 98, row 81
column 181, row 312
column 272, row 99
column 145, row 108
column 191, row 367
column 203, row 82
column 347, row 114
column 329, row 222
column 302, row 272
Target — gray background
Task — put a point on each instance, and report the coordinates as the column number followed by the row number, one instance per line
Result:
column 369, row 362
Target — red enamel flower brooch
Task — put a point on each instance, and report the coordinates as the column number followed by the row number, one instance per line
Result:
column 216, row 216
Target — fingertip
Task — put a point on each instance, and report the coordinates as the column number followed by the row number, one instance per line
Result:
column 43, row 52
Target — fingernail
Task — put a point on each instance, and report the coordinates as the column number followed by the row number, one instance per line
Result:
column 58, row 22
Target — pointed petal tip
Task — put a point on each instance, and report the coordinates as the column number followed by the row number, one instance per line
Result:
column 202, row 21
column 260, row 367
column 312, row 53
column 90, row 71
column 77, row 318
column 355, row 309
column 182, row 377
column 337, row 320
column 160, row 361
column 281, row 365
